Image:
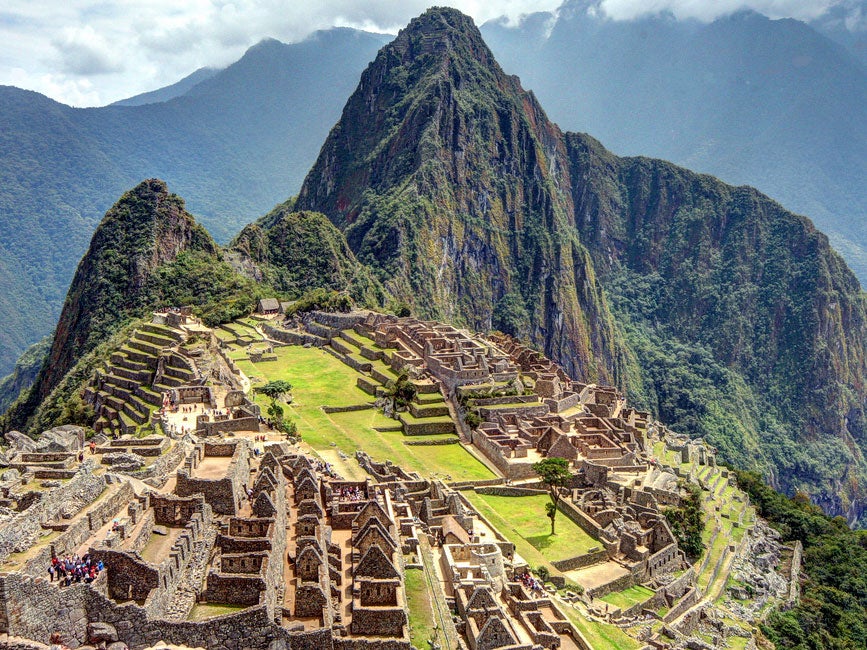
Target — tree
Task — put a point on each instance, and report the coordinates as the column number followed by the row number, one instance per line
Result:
column 686, row 521
column 556, row 476
column 401, row 391
column 274, row 390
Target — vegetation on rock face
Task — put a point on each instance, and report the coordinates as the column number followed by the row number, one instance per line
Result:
column 24, row 373
column 448, row 181
column 687, row 521
column 298, row 251
column 148, row 252
column 233, row 145
column 832, row 612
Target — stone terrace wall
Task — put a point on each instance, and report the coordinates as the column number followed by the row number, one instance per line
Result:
column 165, row 463
column 83, row 528
column 21, row 531
column 292, row 338
column 35, row 607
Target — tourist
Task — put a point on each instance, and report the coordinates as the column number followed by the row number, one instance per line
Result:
column 55, row 642
column 92, row 447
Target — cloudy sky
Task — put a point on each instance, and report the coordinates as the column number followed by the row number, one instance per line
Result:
column 93, row 52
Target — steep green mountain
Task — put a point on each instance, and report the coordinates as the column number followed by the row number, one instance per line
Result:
column 737, row 321
column 147, row 252
column 24, row 373
column 769, row 103
column 450, row 182
column 295, row 252
column 230, row 144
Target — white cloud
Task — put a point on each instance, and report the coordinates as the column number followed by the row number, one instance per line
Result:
column 92, row 52
column 709, row 10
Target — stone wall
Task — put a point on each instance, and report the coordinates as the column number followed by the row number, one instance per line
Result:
column 244, row 423
column 513, row 470
column 510, row 491
column 224, row 495
column 21, row 531
column 584, row 521
column 164, row 464
column 83, row 528
column 234, row 589
column 379, row 621
column 35, row 607
column 581, row 561
column 292, row 337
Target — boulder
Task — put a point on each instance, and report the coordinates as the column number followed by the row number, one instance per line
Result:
column 123, row 461
column 20, row 442
column 65, row 438
column 97, row 632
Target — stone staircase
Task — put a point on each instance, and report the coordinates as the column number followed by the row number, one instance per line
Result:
column 126, row 390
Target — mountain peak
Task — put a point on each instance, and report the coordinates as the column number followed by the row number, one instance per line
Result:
column 442, row 31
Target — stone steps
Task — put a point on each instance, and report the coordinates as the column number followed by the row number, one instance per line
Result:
column 120, row 359
column 162, row 330
column 149, row 396
column 149, row 349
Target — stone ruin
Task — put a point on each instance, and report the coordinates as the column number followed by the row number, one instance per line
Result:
column 298, row 557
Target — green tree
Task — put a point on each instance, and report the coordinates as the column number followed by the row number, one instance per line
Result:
column 274, row 390
column 686, row 521
column 556, row 476
column 401, row 391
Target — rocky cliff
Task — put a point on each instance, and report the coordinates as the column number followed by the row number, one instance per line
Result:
column 449, row 181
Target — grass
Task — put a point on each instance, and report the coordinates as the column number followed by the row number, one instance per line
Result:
column 628, row 597
column 409, row 418
column 523, row 521
column 202, row 611
column 602, row 636
column 319, row 379
column 421, row 615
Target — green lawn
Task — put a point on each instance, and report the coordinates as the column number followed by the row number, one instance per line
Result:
column 319, row 379
column 602, row 636
column 421, row 615
column 203, row 611
column 522, row 520
column 628, row 597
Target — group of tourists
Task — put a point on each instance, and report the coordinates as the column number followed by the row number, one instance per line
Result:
column 351, row 494
column 325, row 468
column 74, row 569
column 531, row 583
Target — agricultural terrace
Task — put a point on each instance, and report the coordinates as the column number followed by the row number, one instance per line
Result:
column 319, row 379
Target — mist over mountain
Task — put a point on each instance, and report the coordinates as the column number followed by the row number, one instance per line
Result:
column 769, row 103
column 169, row 92
column 231, row 144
